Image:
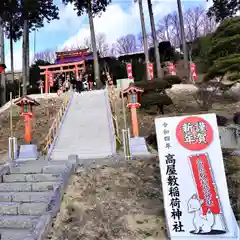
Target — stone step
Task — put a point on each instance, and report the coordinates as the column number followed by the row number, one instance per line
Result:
column 27, row 222
column 37, row 168
column 82, row 137
column 58, row 155
column 14, row 233
column 26, row 197
column 39, row 177
column 28, row 187
column 14, row 208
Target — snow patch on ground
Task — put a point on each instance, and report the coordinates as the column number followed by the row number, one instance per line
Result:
column 180, row 88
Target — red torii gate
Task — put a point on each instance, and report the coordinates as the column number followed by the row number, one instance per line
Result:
column 60, row 68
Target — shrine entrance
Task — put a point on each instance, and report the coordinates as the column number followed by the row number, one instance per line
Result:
column 66, row 62
column 51, row 70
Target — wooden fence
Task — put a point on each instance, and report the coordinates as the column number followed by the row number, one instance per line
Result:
column 55, row 125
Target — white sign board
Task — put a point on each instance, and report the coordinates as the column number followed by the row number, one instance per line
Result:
column 124, row 83
column 195, row 191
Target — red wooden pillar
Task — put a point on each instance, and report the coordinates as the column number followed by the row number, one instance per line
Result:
column 46, row 81
column 76, row 69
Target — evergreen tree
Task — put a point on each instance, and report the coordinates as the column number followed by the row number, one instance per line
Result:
column 224, row 54
column 154, row 92
column 223, row 9
column 20, row 17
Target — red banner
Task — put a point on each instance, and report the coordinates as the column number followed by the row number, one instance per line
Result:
column 193, row 71
column 51, row 79
column 172, row 69
column 129, row 70
column 204, row 183
column 150, row 70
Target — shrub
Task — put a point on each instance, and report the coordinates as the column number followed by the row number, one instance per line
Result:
column 153, row 86
column 154, row 92
column 156, row 99
column 236, row 118
column 221, row 121
column 172, row 79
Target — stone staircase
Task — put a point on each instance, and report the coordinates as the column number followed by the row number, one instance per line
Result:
column 30, row 196
column 87, row 129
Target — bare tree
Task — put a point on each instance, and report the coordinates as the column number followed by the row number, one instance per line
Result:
column 140, row 46
column 101, row 43
column 175, row 25
column 164, row 28
column 87, row 43
column 196, row 24
column 194, row 18
column 161, row 36
column 209, row 24
column 126, row 44
column 47, row 55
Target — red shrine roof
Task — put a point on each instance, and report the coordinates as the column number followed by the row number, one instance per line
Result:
column 27, row 99
column 73, row 56
column 131, row 89
column 73, row 53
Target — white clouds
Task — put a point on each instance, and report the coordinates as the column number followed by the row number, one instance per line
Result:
column 17, row 54
column 68, row 22
column 116, row 21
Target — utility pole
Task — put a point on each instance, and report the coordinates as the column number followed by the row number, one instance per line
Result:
column 180, row 14
column 144, row 34
column 94, row 47
column 155, row 42
column 2, row 60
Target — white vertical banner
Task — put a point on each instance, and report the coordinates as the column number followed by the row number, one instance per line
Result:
column 194, row 185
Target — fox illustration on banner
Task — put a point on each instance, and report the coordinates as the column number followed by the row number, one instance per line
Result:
column 201, row 223
column 207, row 197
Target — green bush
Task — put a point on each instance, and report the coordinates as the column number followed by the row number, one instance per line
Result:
column 156, row 99
column 154, row 92
column 153, row 86
column 172, row 79
column 224, row 54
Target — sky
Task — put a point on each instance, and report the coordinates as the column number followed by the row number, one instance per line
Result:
column 121, row 18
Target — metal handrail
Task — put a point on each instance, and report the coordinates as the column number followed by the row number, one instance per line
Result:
column 55, row 125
